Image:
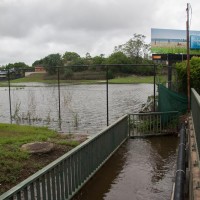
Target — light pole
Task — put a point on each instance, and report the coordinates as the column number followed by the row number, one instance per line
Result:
column 188, row 57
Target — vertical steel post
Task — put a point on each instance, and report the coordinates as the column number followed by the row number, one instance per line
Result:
column 59, row 110
column 10, row 103
column 107, row 108
column 129, row 126
column 188, row 58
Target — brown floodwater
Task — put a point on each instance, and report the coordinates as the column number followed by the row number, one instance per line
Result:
column 140, row 169
column 83, row 107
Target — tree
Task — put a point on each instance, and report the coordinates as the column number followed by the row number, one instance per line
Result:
column 72, row 58
column 16, row 66
column 135, row 48
column 118, row 58
column 87, row 60
column 37, row 62
column 52, row 61
column 69, row 57
column 98, row 60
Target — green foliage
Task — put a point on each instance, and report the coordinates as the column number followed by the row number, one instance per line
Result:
column 110, row 74
column 16, row 69
column 16, row 66
column 37, row 62
column 72, row 58
column 69, row 57
column 118, row 58
column 13, row 160
column 68, row 73
column 52, row 61
column 135, row 48
column 121, row 58
column 98, row 60
column 194, row 74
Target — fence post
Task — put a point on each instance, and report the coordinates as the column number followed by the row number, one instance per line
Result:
column 107, row 95
column 59, row 110
column 154, row 89
column 10, row 103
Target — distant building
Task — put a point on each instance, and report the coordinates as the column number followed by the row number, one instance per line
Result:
column 39, row 68
column 3, row 75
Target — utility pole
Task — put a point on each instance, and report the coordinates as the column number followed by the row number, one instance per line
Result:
column 188, row 57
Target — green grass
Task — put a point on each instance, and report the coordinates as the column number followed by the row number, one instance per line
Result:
column 15, row 134
column 37, row 77
column 11, row 139
column 12, row 159
column 41, row 78
column 132, row 80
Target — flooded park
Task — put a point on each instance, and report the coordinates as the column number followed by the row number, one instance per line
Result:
column 140, row 169
column 83, row 107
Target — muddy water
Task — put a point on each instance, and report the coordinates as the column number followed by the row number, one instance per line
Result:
column 140, row 169
column 83, row 107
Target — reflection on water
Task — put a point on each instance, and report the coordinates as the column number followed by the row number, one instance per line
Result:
column 83, row 107
column 140, row 169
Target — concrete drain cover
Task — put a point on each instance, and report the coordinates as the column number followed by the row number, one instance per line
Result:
column 38, row 147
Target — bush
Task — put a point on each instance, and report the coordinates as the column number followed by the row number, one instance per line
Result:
column 110, row 74
column 194, row 74
column 68, row 73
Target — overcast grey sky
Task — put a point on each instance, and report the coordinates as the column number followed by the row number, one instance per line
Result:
column 33, row 29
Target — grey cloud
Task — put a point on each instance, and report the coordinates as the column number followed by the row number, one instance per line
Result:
column 19, row 19
column 31, row 29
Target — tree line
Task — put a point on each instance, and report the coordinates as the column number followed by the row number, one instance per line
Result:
column 134, row 51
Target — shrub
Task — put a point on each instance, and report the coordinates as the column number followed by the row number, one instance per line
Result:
column 110, row 74
column 194, row 74
column 68, row 73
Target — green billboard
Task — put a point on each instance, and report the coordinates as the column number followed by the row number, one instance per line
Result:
column 174, row 41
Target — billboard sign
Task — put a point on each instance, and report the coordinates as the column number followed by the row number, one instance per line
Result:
column 174, row 41
column 194, row 42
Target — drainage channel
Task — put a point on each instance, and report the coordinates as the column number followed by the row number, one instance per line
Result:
column 140, row 169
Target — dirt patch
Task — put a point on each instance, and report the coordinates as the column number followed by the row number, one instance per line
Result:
column 35, row 163
column 39, row 160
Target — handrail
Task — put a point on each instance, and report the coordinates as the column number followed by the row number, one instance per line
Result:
column 195, row 110
column 155, row 113
column 153, row 123
column 63, row 178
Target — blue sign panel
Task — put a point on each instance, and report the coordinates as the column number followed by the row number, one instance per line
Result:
column 194, row 42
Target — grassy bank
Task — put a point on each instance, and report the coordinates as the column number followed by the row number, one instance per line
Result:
column 42, row 78
column 132, row 80
column 15, row 164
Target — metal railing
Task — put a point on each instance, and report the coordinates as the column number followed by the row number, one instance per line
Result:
column 63, row 178
column 153, row 123
column 195, row 109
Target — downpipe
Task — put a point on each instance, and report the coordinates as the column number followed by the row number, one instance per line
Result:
column 181, row 167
